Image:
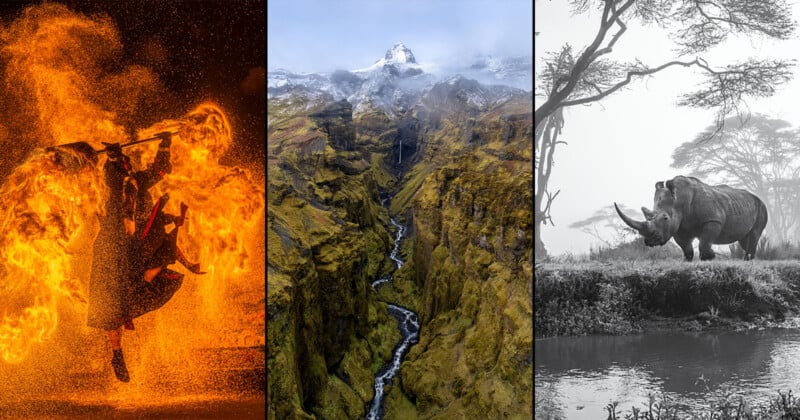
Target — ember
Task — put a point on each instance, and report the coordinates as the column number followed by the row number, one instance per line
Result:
column 57, row 72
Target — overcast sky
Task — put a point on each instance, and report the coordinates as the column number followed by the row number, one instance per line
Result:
column 619, row 148
column 324, row 35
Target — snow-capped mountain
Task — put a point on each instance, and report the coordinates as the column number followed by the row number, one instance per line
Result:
column 510, row 71
column 399, row 57
column 396, row 82
column 459, row 93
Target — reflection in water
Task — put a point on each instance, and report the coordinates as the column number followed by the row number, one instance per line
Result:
column 576, row 377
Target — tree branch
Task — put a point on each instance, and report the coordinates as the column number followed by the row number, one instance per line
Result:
column 628, row 79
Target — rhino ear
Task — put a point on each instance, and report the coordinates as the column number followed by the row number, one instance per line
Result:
column 647, row 213
column 671, row 186
column 659, row 185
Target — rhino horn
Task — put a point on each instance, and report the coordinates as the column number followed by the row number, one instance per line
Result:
column 647, row 213
column 641, row 227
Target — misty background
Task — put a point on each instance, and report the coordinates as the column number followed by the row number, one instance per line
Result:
column 618, row 148
column 322, row 36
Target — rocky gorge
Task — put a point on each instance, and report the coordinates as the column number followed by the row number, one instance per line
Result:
column 446, row 165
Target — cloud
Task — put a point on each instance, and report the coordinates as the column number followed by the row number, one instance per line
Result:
column 312, row 36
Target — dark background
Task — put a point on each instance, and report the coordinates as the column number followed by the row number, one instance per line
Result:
column 201, row 49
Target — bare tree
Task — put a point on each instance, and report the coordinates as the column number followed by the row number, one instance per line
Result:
column 697, row 26
column 760, row 155
column 545, row 146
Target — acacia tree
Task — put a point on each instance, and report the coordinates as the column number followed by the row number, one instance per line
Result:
column 547, row 134
column 545, row 146
column 760, row 155
column 616, row 232
column 697, row 26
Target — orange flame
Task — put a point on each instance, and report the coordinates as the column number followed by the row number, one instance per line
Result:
column 55, row 70
column 226, row 217
column 46, row 206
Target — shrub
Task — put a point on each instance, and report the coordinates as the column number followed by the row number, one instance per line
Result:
column 782, row 406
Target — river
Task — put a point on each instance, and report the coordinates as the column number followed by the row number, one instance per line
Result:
column 577, row 377
column 408, row 323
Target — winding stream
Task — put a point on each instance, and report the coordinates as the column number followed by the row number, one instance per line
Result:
column 408, row 322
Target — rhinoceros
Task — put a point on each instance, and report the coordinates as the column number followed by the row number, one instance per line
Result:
column 686, row 208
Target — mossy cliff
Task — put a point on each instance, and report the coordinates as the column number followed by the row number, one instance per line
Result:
column 327, row 332
column 458, row 167
column 468, row 198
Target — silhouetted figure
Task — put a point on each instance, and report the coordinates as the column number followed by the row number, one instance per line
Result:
column 129, row 275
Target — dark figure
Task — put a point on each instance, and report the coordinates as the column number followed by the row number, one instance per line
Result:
column 154, row 249
column 119, row 289
column 685, row 208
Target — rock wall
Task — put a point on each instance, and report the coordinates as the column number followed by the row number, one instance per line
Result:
column 327, row 333
column 473, row 262
column 464, row 190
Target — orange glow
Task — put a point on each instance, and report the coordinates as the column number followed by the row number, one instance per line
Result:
column 225, row 227
column 46, row 209
column 50, row 202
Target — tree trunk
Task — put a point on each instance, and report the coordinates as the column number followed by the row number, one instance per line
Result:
column 539, row 251
column 546, row 141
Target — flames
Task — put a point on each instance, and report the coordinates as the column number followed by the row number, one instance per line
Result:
column 56, row 73
column 46, row 208
column 50, row 205
column 226, row 216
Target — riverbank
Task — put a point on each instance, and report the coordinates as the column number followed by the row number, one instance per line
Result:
column 634, row 297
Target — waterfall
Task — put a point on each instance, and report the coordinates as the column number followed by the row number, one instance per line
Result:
column 400, row 154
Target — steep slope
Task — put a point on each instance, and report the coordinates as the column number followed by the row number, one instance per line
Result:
column 455, row 159
column 472, row 260
column 327, row 334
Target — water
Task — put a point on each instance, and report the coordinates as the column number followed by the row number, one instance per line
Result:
column 408, row 323
column 576, row 377
column 394, row 255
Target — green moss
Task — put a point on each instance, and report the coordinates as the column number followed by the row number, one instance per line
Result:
column 383, row 335
column 472, row 234
column 466, row 264
column 397, row 405
column 326, row 242
column 384, row 179
column 356, row 367
column 401, row 290
column 338, row 401
column 410, row 184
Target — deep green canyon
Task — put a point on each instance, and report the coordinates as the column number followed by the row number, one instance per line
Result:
column 451, row 163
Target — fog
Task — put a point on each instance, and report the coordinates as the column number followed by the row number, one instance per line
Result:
column 619, row 148
column 322, row 36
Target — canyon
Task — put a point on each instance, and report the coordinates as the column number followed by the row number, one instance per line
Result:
column 356, row 160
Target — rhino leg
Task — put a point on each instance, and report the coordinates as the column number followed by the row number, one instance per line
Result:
column 749, row 244
column 709, row 234
column 686, row 246
column 745, row 243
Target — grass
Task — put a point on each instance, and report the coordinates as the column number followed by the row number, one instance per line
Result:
column 636, row 250
column 782, row 406
column 618, row 298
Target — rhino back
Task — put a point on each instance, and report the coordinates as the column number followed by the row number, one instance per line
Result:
column 736, row 209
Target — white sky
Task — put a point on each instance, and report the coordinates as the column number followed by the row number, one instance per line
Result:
column 619, row 148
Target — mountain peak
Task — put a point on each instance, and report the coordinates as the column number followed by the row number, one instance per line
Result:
column 399, row 56
column 399, row 53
